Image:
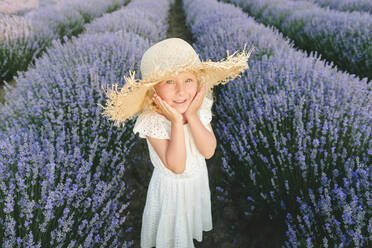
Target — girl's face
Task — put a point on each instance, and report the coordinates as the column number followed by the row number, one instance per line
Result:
column 178, row 91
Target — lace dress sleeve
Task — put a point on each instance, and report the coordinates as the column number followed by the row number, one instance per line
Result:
column 205, row 112
column 153, row 125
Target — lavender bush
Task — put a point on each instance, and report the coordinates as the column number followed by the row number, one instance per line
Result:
column 290, row 119
column 61, row 163
column 343, row 38
column 345, row 5
column 18, row 45
column 342, row 208
column 127, row 19
column 63, row 186
column 21, row 7
column 24, row 38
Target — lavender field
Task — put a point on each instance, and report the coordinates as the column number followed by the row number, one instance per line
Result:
column 341, row 37
column 25, row 33
column 292, row 167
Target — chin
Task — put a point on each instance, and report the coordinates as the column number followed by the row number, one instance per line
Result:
column 180, row 110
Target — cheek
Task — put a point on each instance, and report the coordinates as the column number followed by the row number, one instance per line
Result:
column 163, row 92
column 168, row 100
column 166, row 96
column 193, row 89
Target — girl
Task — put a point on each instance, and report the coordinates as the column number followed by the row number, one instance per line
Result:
column 174, row 101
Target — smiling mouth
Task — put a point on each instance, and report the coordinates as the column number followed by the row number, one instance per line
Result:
column 180, row 102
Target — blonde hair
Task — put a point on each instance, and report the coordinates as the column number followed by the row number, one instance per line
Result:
column 149, row 104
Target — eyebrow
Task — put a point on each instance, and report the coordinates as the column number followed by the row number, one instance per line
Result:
column 189, row 77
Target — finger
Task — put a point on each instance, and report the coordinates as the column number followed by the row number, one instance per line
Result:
column 203, row 88
column 172, row 111
column 164, row 106
column 203, row 91
column 158, row 109
column 160, row 104
column 155, row 100
column 200, row 93
column 167, row 106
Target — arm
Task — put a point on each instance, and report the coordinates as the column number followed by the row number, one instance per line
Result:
column 204, row 139
column 176, row 152
column 172, row 152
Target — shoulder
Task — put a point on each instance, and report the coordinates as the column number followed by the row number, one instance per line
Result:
column 207, row 102
column 153, row 116
column 152, row 124
column 205, row 111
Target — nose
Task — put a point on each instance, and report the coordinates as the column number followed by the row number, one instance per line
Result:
column 180, row 88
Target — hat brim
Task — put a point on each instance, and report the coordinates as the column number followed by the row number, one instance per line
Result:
column 128, row 102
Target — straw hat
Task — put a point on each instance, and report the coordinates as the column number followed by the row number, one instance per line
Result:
column 166, row 59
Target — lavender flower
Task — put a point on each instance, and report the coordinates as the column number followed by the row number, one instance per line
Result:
column 349, row 213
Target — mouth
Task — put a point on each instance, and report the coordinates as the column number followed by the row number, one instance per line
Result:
column 180, row 102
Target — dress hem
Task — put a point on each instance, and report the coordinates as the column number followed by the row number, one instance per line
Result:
column 205, row 230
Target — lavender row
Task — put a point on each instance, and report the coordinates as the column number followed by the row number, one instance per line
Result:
column 62, row 165
column 340, row 37
column 21, row 8
column 345, row 5
column 25, row 38
column 126, row 19
column 289, row 119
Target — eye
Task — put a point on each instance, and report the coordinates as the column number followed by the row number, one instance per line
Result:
column 169, row 81
column 189, row 79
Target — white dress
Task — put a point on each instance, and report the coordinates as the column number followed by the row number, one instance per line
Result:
column 178, row 206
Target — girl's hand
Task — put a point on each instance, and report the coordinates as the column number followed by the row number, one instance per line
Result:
column 196, row 102
column 168, row 111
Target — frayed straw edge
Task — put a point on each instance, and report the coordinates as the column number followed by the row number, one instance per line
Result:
column 237, row 59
